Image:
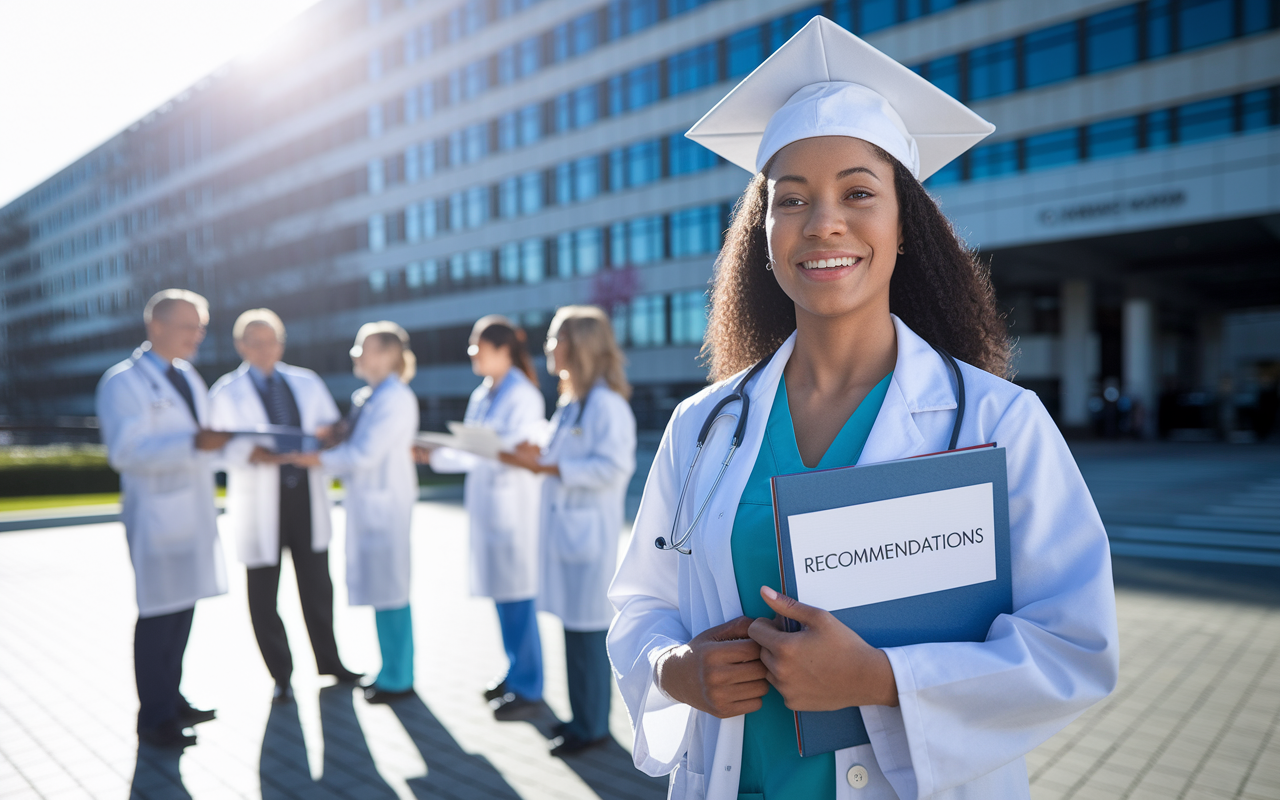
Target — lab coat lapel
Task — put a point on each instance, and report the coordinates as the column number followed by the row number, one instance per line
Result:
column 921, row 382
column 162, row 385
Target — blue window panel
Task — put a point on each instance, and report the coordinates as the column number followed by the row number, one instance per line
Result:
column 588, row 251
column 586, row 106
column 945, row 74
column 457, row 149
column 509, row 263
column 644, row 163
column 1051, row 55
column 559, row 43
column 941, row 5
column 586, row 178
column 617, row 170
column 688, row 317
column 457, row 268
column 745, row 52
column 455, row 82
column 876, row 14
column 645, row 240
column 533, row 260
column 454, row 23
column 563, row 183
column 695, row 231
column 509, row 198
column 1204, row 22
column 951, row 173
column 412, row 170
column 618, row 244
column 411, row 106
column 1053, row 149
column 648, row 321
column 615, row 20
column 692, row 69
column 993, row 160
column 429, row 218
column 1208, row 119
column 530, row 124
column 1255, row 110
column 1159, row 28
column 1256, row 16
column 477, row 78
column 783, row 28
column 688, row 156
column 842, row 14
column 428, row 158
column 477, row 142
column 564, row 255
column 641, row 14
column 675, row 7
column 457, row 211
column 377, row 233
column 1111, row 39
column 584, row 33
column 479, row 265
column 642, row 87
column 532, row 192
column 507, row 69
column 427, row 100
column 1159, row 129
column 431, row 272
column 561, row 113
column 1113, row 137
column 615, row 94
column 476, row 15
column 992, row 70
column 529, row 56
column 508, row 132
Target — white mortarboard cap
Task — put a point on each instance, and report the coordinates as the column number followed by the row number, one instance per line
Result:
column 827, row 82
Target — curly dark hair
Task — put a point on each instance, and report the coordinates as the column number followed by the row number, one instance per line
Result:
column 940, row 288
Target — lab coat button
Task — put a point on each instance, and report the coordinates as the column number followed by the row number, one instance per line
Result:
column 857, row 776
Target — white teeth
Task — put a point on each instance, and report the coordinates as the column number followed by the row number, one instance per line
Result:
column 829, row 263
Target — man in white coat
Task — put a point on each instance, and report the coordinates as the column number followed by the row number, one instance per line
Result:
column 153, row 412
column 271, row 507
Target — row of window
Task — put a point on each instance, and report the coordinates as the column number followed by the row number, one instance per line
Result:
column 1191, row 122
column 575, row 181
column 658, row 320
column 685, row 233
column 1097, row 43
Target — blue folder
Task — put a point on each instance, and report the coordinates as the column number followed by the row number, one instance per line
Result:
column 962, row 614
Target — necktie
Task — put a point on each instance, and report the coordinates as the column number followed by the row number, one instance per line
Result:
column 278, row 413
column 179, row 382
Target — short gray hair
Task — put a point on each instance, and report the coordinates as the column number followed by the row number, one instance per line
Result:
column 162, row 302
column 258, row 316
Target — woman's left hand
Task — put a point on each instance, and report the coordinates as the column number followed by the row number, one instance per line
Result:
column 825, row 666
column 302, row 459
column 526, row 455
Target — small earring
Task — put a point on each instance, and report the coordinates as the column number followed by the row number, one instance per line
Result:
column 769, row 267
column 901, row 250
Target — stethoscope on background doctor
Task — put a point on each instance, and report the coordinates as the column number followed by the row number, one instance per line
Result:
column 739, row 394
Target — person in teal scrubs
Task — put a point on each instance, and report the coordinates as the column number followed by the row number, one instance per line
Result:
column 771, row 765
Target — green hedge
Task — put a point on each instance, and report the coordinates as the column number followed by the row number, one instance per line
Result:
column 55, row 469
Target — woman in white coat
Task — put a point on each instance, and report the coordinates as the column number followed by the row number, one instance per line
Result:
column 375, row 462
column 502, row 503
column 840, row 273
column 587, row 464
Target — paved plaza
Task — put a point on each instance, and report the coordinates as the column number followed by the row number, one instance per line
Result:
column 1196, row 714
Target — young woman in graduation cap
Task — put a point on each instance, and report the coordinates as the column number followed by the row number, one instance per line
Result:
column 838, row 279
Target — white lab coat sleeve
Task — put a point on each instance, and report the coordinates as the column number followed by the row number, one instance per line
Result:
column 328, row 412
column 967, row 708
column 449, row 459
column 375, row 436
column 132, row 444
column 223, row 416
column 611, row 458
column 645, row 592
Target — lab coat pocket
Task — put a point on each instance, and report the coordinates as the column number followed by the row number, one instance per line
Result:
column 376, row 511
column 504, row 513
column 687, row 785
column 577, row 534
column 169, row 520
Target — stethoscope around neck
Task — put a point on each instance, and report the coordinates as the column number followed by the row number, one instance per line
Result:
column 739, row 394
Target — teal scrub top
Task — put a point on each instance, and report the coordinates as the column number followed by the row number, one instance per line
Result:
column 772, row 768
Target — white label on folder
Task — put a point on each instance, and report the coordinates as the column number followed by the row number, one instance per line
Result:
column 890, row 549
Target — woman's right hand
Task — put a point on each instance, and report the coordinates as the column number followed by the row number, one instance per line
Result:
column 718, row 672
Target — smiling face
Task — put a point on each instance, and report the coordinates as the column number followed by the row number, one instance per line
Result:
column 177, row 331
column 833, row 226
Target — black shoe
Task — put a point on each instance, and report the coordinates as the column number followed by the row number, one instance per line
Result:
column 281, row 694
column 189, row 716
column 557, row 730
column 169, row 737
column 495, row 690
column 345, row 675
column 571, row 745
column 372, row 694
column 511, row 707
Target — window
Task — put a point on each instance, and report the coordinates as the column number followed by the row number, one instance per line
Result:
column 532, row 260
column 1256, row 15
column 457, row 149
column 477, row 206
column 430, row 272
column 586, row 106
column 508, row 198
column 1255, row 109
column 374, row 122
column 430, row 218
column 377, row 233
column 695, row 231
column 508, row 132
column 564, row 255
column 457, row 211
column 412, row 164
column 457, row 269
column 1159, row 130
column 427, row 100
column 648, row 321
column 876, row 14
column 1051, row 54
column 507, row 70
column 1159, row 28
column 529, row 56
column 1204, row 22
column 586, row 178
column 692, row 69
column 411, row 104
column 945, row 74
column 377, row 281
column 428, row 158
column 640, row 14
column 412, row 222
column 617, row 170
column 1208, row 119
column 645, row 240
column 688, row 317
column 584, row 33
column 509, row 263
column 642, row 87
column 992, row 70
column 588, row 250
column 479, row 266
column 688, row 156
column 993, row 160
column 1112, row 137
column 563, row 183
column 951, row 173
column 476, row 142
column 1111, row 38
column 745, row 52
column 644, row 163
column 454, row 83
column 561, row 114
column 376, row 179
column 559, row 43
column 530, row 124
column 675, row 7
column 1053, row 149
column 783, row 28
column 532, row 192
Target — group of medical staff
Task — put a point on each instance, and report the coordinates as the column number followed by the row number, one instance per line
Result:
column 545, row 515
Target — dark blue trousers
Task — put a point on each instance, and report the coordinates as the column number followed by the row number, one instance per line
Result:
column 158, row 646
column 519, row 623
column 587, row 664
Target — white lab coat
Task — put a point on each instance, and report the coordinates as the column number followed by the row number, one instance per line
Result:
column 969, row 711
column 167, row 487
column 582, row 509
column 503, row 502
column 381, row 481
column 253, row 490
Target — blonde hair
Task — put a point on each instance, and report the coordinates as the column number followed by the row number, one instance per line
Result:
column 389, row 334
column 593, row 351
column 163, row 301
column 258, row 316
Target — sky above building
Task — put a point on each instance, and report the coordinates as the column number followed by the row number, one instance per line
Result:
column 73, row 73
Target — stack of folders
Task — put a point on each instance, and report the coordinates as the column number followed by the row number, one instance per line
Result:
column 903, row 552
